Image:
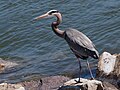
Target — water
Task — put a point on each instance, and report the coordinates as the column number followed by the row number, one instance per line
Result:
column 38, row 51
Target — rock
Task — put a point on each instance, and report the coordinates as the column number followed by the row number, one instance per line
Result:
column 109, row 69
column 87, row 85
column 116, row 71
column 84, row 85
column 109, row 66
column 2, row 67
column 109, row 86
column 46, row 83
column 5, row 86
column 106, row 63
column 6, row 64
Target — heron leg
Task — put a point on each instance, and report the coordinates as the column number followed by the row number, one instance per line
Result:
column 80, row 68
column 90, row 70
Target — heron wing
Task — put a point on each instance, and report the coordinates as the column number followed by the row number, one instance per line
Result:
column 80, row 38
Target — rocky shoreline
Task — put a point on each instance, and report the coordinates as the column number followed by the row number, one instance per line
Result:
column 46, row 83
column 107, row 78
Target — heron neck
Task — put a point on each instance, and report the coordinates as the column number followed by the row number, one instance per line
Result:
column 55, row 25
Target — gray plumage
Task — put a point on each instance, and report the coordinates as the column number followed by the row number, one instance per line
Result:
column 80, row 44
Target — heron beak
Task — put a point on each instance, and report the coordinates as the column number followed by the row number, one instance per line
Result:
column 41, row 16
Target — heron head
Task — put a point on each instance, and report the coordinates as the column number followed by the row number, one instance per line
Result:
column 50, row 14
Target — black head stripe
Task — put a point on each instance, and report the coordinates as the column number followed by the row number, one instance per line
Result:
column 50, row 13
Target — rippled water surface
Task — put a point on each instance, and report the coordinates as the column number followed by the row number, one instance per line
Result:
column 35, row 47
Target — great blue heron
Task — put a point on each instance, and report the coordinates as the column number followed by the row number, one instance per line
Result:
column 79, row 43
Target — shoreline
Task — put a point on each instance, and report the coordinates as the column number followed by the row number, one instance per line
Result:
column 46, row 83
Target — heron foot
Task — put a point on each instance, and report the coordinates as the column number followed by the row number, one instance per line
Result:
column 92, row 78
column 78, row 81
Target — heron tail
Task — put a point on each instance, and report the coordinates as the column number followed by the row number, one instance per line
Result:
column 96, row 55
column 93, row 54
